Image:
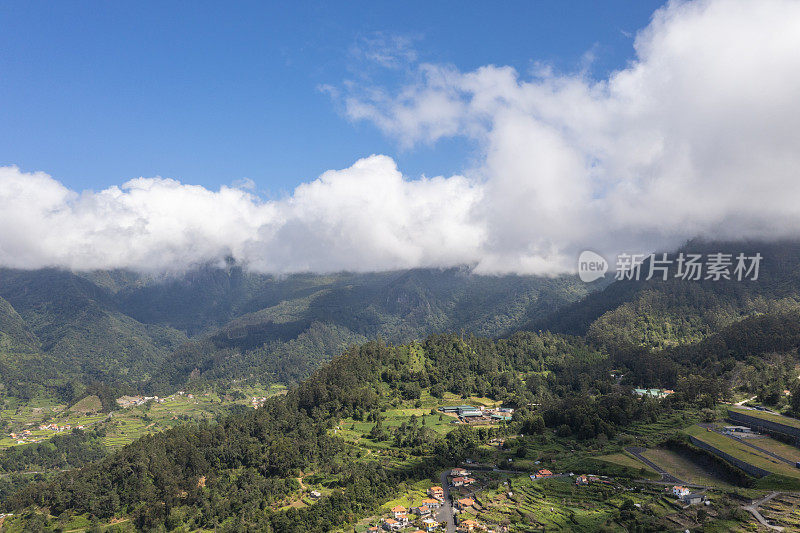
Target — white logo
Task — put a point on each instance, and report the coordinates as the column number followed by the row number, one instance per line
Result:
column 591, row 266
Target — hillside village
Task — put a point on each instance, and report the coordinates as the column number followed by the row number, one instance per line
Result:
column 480, row 496
column 134, row 416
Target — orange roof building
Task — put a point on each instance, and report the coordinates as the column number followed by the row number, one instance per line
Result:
column 466, row 502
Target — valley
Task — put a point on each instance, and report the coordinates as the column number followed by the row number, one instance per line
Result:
column 608, row 417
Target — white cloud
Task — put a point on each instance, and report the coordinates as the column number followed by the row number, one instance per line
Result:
column 366, row 217
column 698, row 136
column 387, row 50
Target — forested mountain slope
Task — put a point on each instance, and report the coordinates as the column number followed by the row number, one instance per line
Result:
column 61, row 331
column 237, row 474
column 248, row 462
column 660, row 314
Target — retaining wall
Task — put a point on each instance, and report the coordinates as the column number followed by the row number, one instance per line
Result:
column 765, row 426
column 747, row 467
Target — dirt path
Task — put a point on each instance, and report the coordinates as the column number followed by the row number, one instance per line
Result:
column 753, row 509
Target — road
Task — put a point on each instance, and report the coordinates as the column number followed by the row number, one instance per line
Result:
column 753, row 508
column 446, row 510
column 747, row 442
column 445, row 513
column 665, row 476
column 749, row 399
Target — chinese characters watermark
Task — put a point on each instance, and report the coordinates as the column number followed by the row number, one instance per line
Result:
column 663, row 266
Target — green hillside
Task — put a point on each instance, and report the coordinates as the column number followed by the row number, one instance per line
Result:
column 660, row 314
column 61, row 332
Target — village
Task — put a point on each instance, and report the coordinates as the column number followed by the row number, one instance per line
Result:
column 439, row 511
column 28, row 437
column 464, row 504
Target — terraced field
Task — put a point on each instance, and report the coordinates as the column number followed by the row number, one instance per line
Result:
column 123, row 425
column 687, row 469
column 743, row 452
column 782, row 510
column 558, row 504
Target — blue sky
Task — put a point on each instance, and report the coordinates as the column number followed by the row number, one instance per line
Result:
column 210, row 93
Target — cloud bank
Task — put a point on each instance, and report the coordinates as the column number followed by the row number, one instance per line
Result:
column 698, row 136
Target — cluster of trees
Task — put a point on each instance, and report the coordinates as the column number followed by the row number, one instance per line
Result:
column 69, row 450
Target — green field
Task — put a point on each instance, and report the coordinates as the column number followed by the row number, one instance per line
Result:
column 743, row 452
column 777, row 447
column 626, row 460
column 357, row 432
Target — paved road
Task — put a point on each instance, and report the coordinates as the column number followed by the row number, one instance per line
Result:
column 445, row 513
column 665, row 476
column 446, row 510
column 747, row 442
column 753, row 508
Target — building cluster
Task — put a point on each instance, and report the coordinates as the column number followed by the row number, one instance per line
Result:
column 653, row 393
column 420, row 516
column 459, row 477
column 685, row 495
column 470, row 414
column 132, row 401
column 57, row 428
column 27, row 436
column 20, row 437
column 257, row 402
